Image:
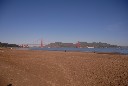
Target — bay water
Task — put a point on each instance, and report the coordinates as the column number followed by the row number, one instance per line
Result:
column 100, row 50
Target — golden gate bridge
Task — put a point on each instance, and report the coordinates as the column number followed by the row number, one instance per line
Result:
column 40, row 43
column 25, row 45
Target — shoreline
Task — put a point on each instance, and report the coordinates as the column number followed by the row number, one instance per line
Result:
column 77, row 50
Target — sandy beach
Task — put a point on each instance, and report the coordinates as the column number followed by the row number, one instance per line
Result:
column 57, row 68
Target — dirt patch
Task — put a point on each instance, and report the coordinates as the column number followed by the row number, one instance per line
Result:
column 53, row 68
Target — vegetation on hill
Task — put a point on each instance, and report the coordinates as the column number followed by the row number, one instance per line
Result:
column 8, row 45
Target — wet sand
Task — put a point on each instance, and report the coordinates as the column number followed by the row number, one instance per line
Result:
column 54, row 68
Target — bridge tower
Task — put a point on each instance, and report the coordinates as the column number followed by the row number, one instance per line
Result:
column 78, row 44
column 41, row 45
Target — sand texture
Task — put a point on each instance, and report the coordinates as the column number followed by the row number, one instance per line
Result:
column 54, row 68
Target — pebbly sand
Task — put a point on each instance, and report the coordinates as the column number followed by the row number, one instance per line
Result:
column 53, row 68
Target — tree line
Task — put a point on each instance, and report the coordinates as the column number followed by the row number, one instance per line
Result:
column 8, row 45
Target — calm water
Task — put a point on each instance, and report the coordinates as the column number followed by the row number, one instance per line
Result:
column 113, row 50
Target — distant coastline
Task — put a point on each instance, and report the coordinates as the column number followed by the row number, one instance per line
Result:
column 66, row 45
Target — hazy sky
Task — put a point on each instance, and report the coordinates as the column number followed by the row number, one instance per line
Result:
column 24, row 21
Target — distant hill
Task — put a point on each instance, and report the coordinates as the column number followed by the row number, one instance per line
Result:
column 81, row 45
column 8, row 45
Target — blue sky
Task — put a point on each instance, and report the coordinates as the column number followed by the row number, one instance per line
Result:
column 24, row 21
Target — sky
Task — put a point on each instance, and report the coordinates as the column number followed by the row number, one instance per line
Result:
column 27, row 21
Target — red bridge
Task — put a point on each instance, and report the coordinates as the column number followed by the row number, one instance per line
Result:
column 32, row 44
